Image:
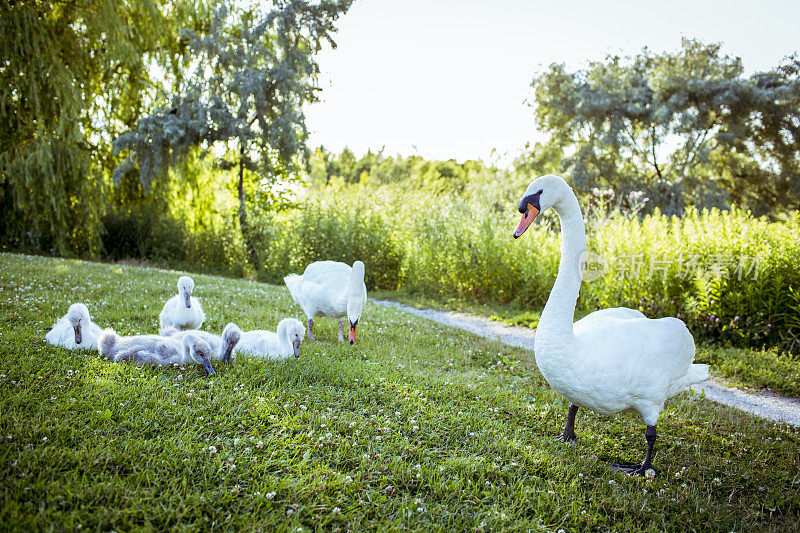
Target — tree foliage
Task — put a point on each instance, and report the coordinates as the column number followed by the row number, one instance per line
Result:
column 684, row 127
column 73, row 73
column 375, row 168
column 252, row 72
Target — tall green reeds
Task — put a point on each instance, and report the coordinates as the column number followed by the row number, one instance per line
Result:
column 733, row 278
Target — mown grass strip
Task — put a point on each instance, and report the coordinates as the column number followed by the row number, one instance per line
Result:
column 416, row 426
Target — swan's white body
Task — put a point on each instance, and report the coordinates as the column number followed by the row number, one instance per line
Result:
column 183, row 311
column 616, row 363
column 221, row 345
column 76, row 324
column 156, row 349
column 271, row 345
column 613, row 359
column 330, row 288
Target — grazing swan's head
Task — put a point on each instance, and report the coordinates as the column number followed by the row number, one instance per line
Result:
column 542, row 194
column 185, row 288
column 199, row 351
column 231, row 336
column 293, row 330
column 356, row 300
column 78, row 316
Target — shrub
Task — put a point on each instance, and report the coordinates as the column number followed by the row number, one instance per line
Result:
column 338, row 229
column 142, row 234
column 730, row 276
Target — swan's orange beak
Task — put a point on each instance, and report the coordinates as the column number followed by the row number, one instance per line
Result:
column 527, row 217
column 351, row 336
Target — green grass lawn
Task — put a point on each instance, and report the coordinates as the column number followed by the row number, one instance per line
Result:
column 769, row 369
column 416, row 426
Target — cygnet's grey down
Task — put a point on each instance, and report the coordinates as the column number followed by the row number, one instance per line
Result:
column 271, row 345
column 75, row 330
column 182, row 310
column 221, row 345
column 156, row 349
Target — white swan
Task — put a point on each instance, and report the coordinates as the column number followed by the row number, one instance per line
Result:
column 182, row 310
column 271, row 345
column 156, row 350
column 221, row 345
column 75, row 330
column 613, row 359
column 333, row 289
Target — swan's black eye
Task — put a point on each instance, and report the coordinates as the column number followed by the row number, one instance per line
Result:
column 532, row 199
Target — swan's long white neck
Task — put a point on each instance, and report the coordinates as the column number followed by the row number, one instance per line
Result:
column 555, row 323
column 355, row 291
column 283, row 340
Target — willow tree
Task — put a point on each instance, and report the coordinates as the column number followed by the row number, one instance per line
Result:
column 684, row 127
column 71, row 73
column 253, row 70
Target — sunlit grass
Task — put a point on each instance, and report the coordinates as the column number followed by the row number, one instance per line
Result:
column 416, row 426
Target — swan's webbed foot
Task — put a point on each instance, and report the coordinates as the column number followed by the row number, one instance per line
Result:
column 567, row 437
column 645, row 468
column 635, row 469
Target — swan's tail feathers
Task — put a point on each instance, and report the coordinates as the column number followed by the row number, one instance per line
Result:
column 294, row 281
column 106, row 343
column 695, row 374
column 231, row 336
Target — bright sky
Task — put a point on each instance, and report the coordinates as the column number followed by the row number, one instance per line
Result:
column 449, row 78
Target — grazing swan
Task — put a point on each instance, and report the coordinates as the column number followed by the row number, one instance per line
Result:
column 182, row 310
column 613, row 359
column 75, row 330
column 275, row 346
column 221, row 345
column 156, row 350
column 333, row 289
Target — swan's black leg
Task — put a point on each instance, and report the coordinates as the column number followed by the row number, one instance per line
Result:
column 650, row 435
column 311, row 329
column 641, row 469
column 569, row 429
column 341, row 330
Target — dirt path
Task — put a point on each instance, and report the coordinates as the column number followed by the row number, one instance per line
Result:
column 764, row 405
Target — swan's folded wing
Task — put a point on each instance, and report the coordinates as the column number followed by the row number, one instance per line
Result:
column 636, row 347
column 612, row 312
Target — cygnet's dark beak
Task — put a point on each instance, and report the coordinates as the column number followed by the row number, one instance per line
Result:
column 296, row 348
column 188, row 301
column 207, row 367
column 78, row 335
column 227, row 352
